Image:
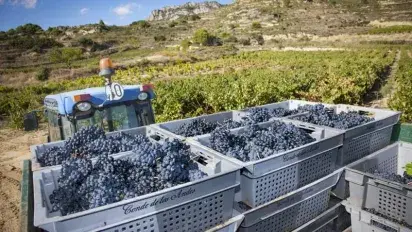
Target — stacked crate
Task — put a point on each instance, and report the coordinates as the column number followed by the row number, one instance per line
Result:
column 293, row 190
column 285, row 191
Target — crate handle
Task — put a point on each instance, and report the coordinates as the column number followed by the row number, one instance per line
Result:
column 388, row 184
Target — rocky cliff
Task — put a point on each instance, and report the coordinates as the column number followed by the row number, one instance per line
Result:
column 190, row 8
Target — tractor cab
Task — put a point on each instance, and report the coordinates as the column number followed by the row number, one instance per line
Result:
column 113, row 107
column 70, row 111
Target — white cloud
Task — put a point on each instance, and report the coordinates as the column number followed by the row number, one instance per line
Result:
column 84, row 11
column 25, row 3
column 125, row 9
column 1, row 2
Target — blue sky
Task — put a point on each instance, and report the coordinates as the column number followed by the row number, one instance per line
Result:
column 48, row 13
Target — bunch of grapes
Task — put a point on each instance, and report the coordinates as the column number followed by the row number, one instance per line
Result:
column 201, row 127
column 321, row 115
column 257, row 143
column 90, row 142
column 152, row 167
column 404, row 179
column 258, row 115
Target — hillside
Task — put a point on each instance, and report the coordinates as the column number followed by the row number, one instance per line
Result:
column 243, row 25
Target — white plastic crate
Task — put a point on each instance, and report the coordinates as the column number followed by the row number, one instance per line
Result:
column 364, row 139
column 193, row 206
column 266, row 179
column 148, row 131
column 292, row 210
column 334, row 219
column 363, row 221
column 169, row 128
column 389, row 198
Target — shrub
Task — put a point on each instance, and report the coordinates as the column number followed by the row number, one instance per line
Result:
column 391, row 29
column 259, row 39
column 194, row 17
column 27, row 42
column 185, row 44
column 159, row 38
column 102, row 26
column 86, row 42
column 65, row 55
column 43, row 74
column 244, row 41
column 29, row 29
column 203, row 37
column 172, row 24
column 256, row 25
column 141, row 24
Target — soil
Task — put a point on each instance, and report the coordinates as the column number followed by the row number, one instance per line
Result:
column 14, row 148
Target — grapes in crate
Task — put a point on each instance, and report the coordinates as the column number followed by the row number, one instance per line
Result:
column 324, row 116
column 258, row 115
column 152, row 167
column 89, row 142
column 257, row 143
column 201, row 126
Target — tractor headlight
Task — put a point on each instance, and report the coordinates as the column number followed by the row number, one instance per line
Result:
column 142, row 96
column 84, row 106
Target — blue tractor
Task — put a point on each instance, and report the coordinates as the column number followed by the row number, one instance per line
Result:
column 113, row 107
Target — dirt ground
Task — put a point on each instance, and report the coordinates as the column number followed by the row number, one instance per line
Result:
column 14, row 148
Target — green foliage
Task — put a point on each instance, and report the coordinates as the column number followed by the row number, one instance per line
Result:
column 28, row 42
column 256, row 25
column 228, row 38
column 203, row 37
column 194, row 17
column 247, row 79
column 173, row 24
column 65, row 55
column 54, row 31
column 86, row 42
column 43, row 74
column 401, row 100
column 141, row 24
column 102, row 26
column 29, row 29
column 408, row 169
column 185, row 44
column 159, row 38
column 391, row 29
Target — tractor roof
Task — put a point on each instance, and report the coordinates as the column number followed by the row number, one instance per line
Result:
column 64, row 102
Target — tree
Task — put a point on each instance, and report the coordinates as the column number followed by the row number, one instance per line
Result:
column 65, row 55
column 102, row 26
column 141, row 24
column 43, row 74
column 159, row 38
column 201, row 37
column 185, row 44
column 256, row 25
column 29, row 29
